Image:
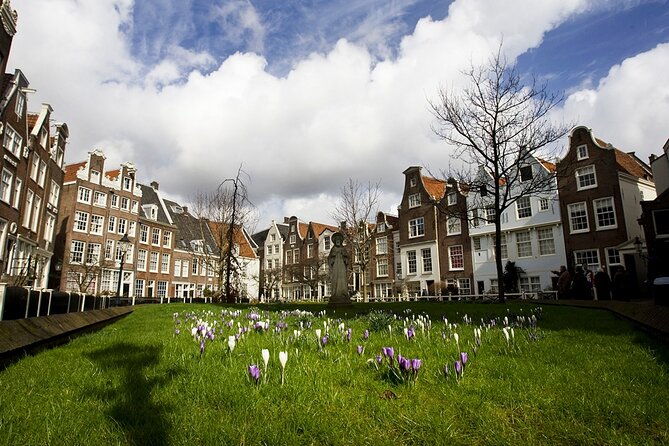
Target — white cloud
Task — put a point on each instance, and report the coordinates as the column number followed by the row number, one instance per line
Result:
column 629, row 107
column 189, row 124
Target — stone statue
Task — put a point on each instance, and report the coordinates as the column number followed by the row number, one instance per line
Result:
column 338, row 260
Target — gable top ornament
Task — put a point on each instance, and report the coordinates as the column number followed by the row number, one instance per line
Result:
column 9, row 18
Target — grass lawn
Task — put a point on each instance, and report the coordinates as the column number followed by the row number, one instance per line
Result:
column 580, row 377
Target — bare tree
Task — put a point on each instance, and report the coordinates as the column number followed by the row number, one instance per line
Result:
column 271, row 279
column 84, row 274
column 496, row 125
column 222, row 216
column 357, row 206
column 311, row 272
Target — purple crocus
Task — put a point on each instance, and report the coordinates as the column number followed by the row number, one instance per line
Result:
column 365, row 335
column 254, row 372
column 360, row 349
column 415, row 365
column 463, row 358
column 176, row 332
column 202, row 347
column 324, row 341
column 458, row 369
column 403, row 363
column 388, row 352
column 349, row 333
column 379, row 359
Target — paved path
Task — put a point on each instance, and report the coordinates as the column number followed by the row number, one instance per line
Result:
column 644, row 312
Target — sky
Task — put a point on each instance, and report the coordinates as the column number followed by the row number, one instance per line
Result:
column 305, row 95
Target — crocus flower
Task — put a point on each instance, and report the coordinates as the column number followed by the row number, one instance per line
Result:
column 318, row 333
column 254, row 372
column 349, row 333
column 458, row 369
column 463, row 358
column 360, row 349
column 232, row 341
column 283, row 358
column 176, row 332
column 446, row 370
column 265, row 357
column 202, row 347
column 379, row 359
column 415, row 365
column 365, row 335
column 506, row 334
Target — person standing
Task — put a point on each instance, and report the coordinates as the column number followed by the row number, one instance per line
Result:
column 563, row 283
column 603, row 284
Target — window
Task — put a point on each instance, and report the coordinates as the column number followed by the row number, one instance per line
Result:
column 194, row 268
column 546, row 243
column 578, row 217
column 416, row 227
column 139, row 287
column 605, row 213
column 524, row 207
column 13, row 141
column 155, row 236
column 525, row 173
column 452, row 198
column 453, row 226
column 17, row 193
column 41, row 174
column 411, row 262
column 93, row 253
column 524, row 244
column 414, row 200
column 20, row 104
column 143, row 233
column 153, row 262
column 464, row 286
column 114, row 200
column 37, row 204
column 613, row 256
column 81, row 221
column 6, row 185
column 588, row 258
column 135, row 206
column 490, row 215
column 292, row 239
column 49, row 227
column 54, row 194
column 382, row 245
column 586, row 178
column 165, row 264
column 381, row 227
column 77, row 251
column 483, row 190
column 141, row 259
column 456, row 257
column 296, row 256
column 95, row 176
column 503, row 248
column 109, row 249
column 582, row 152
column 131, row 229
column 532, row 283
column 127, row 183
column 426, row 255
column 381, row 267
column 477, row 243
column 310, row 251
column 122, row 226
column 111, row 226
column 544, row 204
column 167, row 239
column 34, row 167
column 97, row 223
column 84, row 195
column 177, row 268
column 100, row 199
column 161, row 289
column 185, row 265
column 413, row 182
column 125, row 203
column 326, row 242
column 30, row 195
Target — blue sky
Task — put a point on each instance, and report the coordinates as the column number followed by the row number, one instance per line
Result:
column 306, row 94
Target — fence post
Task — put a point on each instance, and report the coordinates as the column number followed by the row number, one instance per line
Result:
column 69, row 300
column 39, row 302
column 48, row 309
column 83, row 301
column 3, row 290
column 27, row 301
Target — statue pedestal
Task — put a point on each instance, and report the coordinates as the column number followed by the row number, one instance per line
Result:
column 339, row 302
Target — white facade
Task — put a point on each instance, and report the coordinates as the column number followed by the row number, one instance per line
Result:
column 420, row 265
column 633, row 190
column 532, row 238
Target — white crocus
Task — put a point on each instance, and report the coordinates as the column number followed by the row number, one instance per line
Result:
column 457, row 340
column 265, row 357
column 318, row 334
column 231, row 343
column 506, row 334
column 283, row 358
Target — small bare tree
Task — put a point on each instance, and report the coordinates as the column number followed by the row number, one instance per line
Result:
column 271, row 279
column 222, row 215
column 357, row 207
column 496, row 125
column 311, row 272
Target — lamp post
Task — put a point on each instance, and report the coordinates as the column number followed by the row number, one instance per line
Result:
column 123, row 245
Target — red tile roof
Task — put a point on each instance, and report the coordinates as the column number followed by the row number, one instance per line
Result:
column 113, row 174
column 32, row 120
column 302, row 228
column 436, row 188
column 547, row 164
column 71, row 171
column 245, row 249
column 320, row 227
column 628, row 164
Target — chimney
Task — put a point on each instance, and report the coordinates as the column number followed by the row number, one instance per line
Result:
column 652, row 158
column 185, row 208
column 154, row 185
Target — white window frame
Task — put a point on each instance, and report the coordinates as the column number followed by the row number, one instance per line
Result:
column 523, row 242
column 584, row 172
column 546, row 244
column 84, row 195
column 583, row 207
column 582, row 152
column 6, row 186
column 414, row 200
column 452, row 255
column 417, row 227
column 524, row 206
column 453, row 226
column 412, row 265
column 596, row 212
column 382, row 267
column 426, row 260
column 80, row 221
